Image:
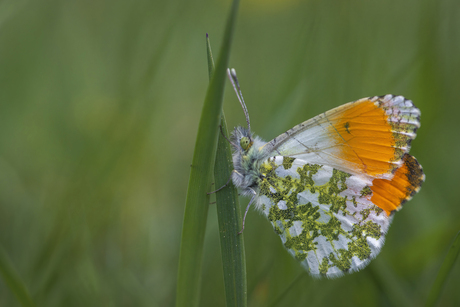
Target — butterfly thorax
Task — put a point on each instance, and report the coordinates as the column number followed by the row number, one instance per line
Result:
column 247, row 160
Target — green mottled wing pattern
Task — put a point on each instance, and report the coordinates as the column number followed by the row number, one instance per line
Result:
column 324, row 216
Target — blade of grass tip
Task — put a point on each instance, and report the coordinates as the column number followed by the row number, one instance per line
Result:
column 210, row 58
column 229, row 217
column 444, row 272
column 197, row 201
column 13, row 280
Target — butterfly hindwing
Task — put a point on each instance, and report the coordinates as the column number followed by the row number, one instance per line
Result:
column 406, row 181
column 324, row 216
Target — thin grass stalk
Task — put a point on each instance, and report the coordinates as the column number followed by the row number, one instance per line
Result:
column 444, row 272
column 229, row 217
column 13, row 280
column 197, row 201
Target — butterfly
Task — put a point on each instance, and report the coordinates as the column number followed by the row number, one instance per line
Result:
column 330, row 186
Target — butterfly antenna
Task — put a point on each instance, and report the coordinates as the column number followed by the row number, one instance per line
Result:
column 236, row 86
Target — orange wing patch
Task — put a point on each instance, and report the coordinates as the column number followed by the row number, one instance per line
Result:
column 389, row 195
column 374, row 133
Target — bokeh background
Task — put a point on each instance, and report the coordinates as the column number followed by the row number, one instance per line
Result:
column 99, row 108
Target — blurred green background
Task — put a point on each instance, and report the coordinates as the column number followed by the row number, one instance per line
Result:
column 99, row 108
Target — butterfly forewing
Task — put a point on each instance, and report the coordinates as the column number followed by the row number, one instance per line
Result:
column 368, row 137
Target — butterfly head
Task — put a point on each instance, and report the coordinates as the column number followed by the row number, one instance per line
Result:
column 242, row 139
column 246, row 143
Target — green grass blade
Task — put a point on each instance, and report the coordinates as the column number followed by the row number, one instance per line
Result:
column 444, row 272
column 209, row 57
column 229, row 217
column 278, row 301
column 389, row 283
column 196, row 206
column 13, row 280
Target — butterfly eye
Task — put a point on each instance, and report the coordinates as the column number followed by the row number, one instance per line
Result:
column 245, row 143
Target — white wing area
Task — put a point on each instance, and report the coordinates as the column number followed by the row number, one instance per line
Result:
column 367, row 137
column 324, row 216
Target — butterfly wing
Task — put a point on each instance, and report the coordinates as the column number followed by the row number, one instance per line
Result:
column 369, row 136
column 325, row 217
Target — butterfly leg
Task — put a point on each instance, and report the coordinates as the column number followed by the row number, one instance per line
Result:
column 222, row 132
column 229, row 179
column 247, row 208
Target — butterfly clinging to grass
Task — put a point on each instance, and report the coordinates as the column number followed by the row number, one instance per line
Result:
column 330, row 186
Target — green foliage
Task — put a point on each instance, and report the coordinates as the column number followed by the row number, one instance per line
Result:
column 229, row 217
column 13, row 280
column 196, row 207
column 100, row 103
column 444, row 272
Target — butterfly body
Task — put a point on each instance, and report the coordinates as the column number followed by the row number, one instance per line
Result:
column 247, row 161
column 330, row 185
